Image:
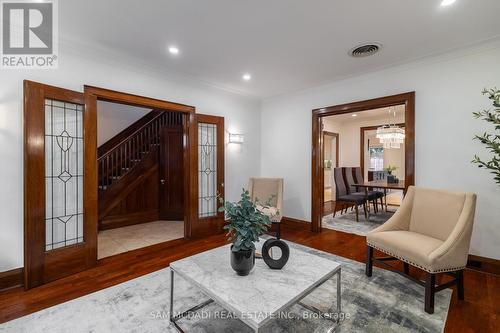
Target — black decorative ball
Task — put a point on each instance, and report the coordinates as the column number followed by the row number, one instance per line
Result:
column 285, row 253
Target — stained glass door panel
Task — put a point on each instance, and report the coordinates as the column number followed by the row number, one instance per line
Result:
column 208, row 151
column 63, row 174
column 207, row 169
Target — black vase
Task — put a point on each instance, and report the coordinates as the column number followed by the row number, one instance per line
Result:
column 242, row 261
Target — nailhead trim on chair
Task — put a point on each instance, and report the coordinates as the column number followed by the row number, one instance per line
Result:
column 416, row 265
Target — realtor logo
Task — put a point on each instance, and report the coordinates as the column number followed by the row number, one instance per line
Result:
column 29, row 34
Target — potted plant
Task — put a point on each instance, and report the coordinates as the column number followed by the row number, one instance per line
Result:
column 390, row 169
column 245, row 223
column 390, row 178
column 491, row 141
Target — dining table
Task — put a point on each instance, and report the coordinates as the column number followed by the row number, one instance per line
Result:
column 383, row 185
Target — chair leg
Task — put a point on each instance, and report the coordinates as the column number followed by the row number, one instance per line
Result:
column 366, row 214
column 357, row 213
column 406, row 268
column 460, row 285
column 369, row 261
column 382, row 203
column 430, row 290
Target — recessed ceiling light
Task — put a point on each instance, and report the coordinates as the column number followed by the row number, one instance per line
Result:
column 247, row 77
column 447, row 2
column 354, row 115
column 173, row 50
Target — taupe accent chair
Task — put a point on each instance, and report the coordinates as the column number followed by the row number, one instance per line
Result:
column 431, row 231
column 342, row 195
column 264, row 189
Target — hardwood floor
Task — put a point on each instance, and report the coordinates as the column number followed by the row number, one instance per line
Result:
column 478, row 313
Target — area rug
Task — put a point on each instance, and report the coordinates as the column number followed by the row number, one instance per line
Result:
column 386, row 302
column 347, row 222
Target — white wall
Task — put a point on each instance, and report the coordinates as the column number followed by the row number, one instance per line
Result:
column 79, row 67
column 112, row 118
column 448, row 89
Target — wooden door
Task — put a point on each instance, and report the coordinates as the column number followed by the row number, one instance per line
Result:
column 207, row 174
column 60, row 224
column 171, row 173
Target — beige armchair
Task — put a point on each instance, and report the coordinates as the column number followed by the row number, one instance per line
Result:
column 263, row 189
column 431, row 230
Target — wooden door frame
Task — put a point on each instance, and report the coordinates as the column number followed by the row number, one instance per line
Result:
column 93, row 94
column 317, row 183
column 337, row 145
column 362, row 142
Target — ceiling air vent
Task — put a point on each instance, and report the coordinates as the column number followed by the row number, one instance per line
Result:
column 365, row 50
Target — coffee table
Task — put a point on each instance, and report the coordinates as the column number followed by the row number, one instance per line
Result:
column 262, row 295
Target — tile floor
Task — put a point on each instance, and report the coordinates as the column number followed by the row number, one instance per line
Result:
column 114, row 241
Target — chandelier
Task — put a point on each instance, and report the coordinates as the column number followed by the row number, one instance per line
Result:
column 391, row 135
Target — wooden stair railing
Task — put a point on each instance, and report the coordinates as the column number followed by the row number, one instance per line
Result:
column 126, row 154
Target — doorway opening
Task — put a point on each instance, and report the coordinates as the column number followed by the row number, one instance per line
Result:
column 140, row 177
column 362, row 155
column 331, row 159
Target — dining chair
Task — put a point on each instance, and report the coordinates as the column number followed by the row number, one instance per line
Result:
column 342, row 194
column 371, row 196
column 375, row 195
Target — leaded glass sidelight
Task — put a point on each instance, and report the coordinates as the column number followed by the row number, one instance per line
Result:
column 63, row 174
column 207, row 169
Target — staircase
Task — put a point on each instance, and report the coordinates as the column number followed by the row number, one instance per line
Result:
column 121, row 159
column 126, row 162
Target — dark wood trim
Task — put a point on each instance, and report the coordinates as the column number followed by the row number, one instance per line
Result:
column 135, row 100
column 11, row 279
column 362, row 131
column 337, row 140
column 90, row 194
column 296, row 223
column 317, row 181
column 34, row 183
column 483, row 264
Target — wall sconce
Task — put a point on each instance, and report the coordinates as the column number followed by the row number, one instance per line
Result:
column 236, row 138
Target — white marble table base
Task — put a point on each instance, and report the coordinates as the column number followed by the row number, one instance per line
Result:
column 336, row 319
